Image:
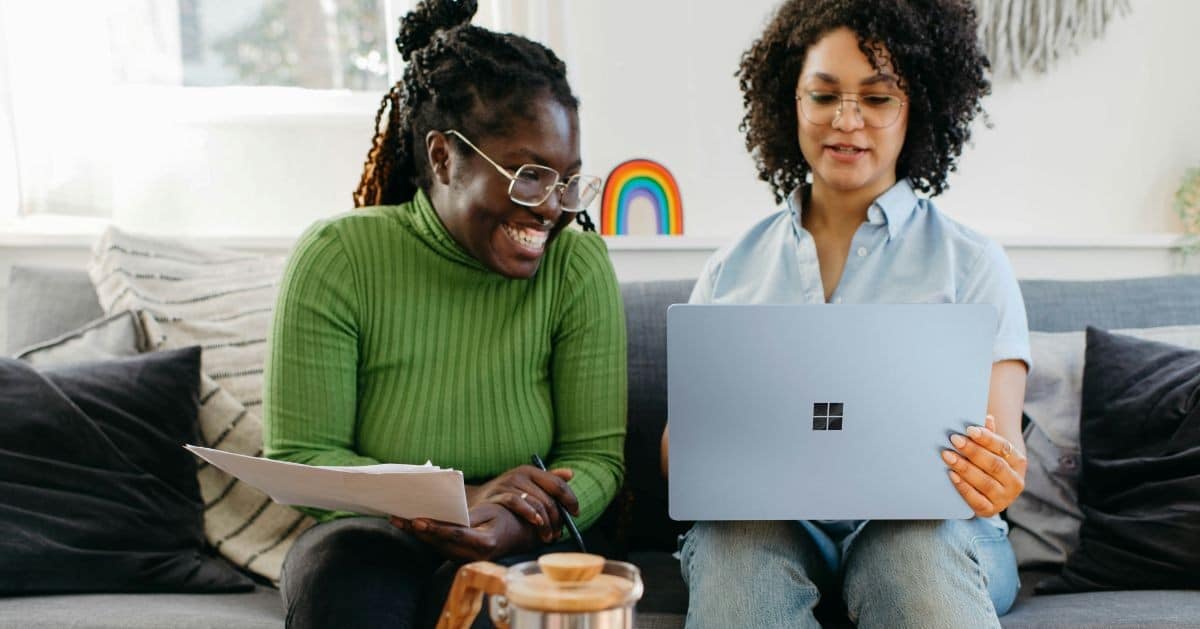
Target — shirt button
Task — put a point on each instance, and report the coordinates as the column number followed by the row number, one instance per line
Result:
column 862, row 251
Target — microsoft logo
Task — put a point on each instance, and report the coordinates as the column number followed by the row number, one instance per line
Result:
column 827, row 416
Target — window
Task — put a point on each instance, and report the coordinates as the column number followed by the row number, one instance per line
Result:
column 205, row 117
column 118, row 106
column 312, row 44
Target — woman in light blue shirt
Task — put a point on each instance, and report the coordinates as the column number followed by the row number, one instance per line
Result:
column 853, row 106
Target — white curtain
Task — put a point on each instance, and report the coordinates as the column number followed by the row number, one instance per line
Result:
column 66, row 58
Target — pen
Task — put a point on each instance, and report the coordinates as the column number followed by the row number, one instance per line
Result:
column 541, row 465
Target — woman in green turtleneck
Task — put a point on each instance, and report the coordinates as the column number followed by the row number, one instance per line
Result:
column 456, row 320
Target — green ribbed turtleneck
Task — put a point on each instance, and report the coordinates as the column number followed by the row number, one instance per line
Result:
column 392, row 344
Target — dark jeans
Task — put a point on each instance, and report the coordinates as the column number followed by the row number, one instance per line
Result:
column 364, row 572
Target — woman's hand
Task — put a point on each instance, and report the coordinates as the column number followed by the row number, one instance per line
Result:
column 530, row 493
column 495, row 532
column 987, row 469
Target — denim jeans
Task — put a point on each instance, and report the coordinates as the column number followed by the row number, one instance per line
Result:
column 889, row 573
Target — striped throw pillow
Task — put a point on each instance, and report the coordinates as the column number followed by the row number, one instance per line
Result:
column 221, row 300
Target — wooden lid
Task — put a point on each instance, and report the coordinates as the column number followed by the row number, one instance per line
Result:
column 569, row 582
column 571, row 567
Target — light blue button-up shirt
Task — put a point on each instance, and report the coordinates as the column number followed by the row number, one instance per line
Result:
column 906, row 252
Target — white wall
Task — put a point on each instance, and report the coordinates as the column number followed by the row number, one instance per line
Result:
column 656, row 81
column 1083, row 159
column 1096, row 147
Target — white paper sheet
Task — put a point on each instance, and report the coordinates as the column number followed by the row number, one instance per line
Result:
column 407, row 491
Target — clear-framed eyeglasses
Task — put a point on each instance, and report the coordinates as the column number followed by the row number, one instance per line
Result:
column 875, row 110
column 531, row 184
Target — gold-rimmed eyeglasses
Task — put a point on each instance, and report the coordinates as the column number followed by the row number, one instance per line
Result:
column 875, row 110
column 531, row 184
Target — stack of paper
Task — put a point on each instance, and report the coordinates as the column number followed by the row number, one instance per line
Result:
column 406, row 491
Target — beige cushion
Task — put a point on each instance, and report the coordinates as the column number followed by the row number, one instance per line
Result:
column 221, row 300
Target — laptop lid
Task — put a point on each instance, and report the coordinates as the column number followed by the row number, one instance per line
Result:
column 815, row 412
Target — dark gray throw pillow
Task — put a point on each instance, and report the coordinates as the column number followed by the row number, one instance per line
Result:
column 96, row 492
column 1139, row 485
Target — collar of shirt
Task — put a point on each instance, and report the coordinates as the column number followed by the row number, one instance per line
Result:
column 892, row 208
column 429, row 229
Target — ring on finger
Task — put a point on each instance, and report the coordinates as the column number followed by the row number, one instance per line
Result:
column 524, row 495
column 1008, row 449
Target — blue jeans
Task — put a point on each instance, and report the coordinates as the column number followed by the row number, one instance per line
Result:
column 926, row 573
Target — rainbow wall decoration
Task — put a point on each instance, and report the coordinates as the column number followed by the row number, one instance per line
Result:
column 641, row 179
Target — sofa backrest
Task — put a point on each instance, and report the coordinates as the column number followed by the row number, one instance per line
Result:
column 1051, row 306
column 1149, row 302
column 646, row 328
column 43, row 303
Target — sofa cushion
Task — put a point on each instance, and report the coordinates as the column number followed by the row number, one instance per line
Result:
column 1103, row 610
column 223, row 301
column 45, row 302
column 1045, row 519
column 664, row 604
column 646, row 324
column 1140, row 436
column 108, row 337
column 260, row 609
column 99, row 495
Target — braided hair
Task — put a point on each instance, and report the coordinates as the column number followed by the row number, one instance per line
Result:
column 933, row 46
column 457, row 76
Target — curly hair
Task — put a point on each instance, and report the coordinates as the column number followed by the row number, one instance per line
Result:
column 931, row 44
column 457, row 76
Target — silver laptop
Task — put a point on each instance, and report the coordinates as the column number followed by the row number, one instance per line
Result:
column 822, row 412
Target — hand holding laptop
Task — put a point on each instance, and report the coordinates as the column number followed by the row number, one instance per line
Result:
column 987, row 470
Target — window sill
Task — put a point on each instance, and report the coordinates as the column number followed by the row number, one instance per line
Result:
column 71, row 232
column 66, row 231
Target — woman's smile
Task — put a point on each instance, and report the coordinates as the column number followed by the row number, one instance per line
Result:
column 531, row 239
column 845, row 153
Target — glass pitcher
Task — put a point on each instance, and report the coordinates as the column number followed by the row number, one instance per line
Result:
column 558, row 591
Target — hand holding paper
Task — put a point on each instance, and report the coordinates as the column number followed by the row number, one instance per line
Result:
column 405, row 491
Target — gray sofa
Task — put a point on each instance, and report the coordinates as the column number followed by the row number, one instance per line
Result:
column 43, row 303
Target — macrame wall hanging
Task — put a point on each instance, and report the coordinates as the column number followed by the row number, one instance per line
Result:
column 1022, row 36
